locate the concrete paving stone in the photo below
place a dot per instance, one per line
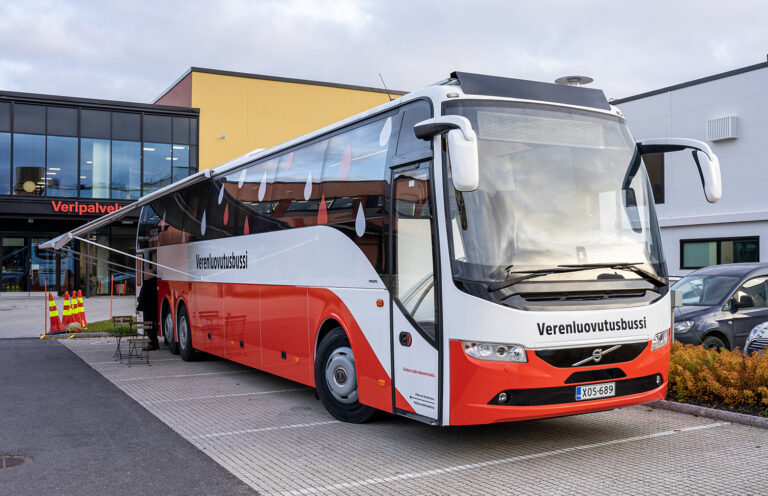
(286, 443)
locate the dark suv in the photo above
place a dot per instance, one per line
(721, 304)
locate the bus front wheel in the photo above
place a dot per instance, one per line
(336, 379)
(185, 336)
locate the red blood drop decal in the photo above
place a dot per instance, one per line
(226, 214)
(346, 162)
(322, 212)
(246, 229)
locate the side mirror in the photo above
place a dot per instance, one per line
(745, 301)
(462, 147)
(705, 159)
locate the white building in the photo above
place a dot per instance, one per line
(730, 112)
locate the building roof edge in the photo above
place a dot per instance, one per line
(693, 82)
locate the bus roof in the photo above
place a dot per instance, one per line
(460, 84)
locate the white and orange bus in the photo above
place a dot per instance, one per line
(482, 250)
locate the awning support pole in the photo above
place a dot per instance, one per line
(199, 278)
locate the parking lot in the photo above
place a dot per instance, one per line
(276, 437)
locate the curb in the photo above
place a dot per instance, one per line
(713, 413)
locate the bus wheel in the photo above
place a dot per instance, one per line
(185, 336)
(336, 379)
(173, 346)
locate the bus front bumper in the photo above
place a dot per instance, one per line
(537, 389)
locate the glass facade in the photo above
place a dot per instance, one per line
(73, 152)
(55, 151)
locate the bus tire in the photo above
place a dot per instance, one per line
(184, 330)
(336, 379)
(173, 346)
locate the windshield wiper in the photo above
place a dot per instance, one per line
(530, 274)
(633, 267)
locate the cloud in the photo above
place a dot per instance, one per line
(134, 50)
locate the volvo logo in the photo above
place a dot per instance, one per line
(597, 355)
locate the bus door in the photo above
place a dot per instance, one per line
(414, 297)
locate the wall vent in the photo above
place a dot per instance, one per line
(721, 129)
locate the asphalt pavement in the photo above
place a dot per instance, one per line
(86, 436)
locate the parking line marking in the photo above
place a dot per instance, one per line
(223, 396)
(489, 463)
(120, 363)
(265, 429)
(181, 375)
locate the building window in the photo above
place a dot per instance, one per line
(29, 176)
(697, 253)
(5, 163)
(654, 164)
(94, 168)
(157, 166)
(61, 173)
(126, 170)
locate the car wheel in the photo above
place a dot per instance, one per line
(173, 346)
(710, 342)
(185, 336)
(336, 379)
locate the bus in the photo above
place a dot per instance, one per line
(484, 249)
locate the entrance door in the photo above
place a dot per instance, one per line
(414, 308)
(15, 265)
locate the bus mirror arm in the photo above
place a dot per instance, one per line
(705, 159)
(462, 147)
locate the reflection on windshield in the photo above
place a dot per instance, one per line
(705, 290)
(552, 192)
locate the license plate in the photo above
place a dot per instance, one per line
(594, 391)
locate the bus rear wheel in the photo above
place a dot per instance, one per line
(336, 379)
(173, 346)
(185, 336)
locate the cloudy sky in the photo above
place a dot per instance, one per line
(133, 50)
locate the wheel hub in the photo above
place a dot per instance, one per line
(340, 375)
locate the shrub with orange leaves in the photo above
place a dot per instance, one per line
(717, 377)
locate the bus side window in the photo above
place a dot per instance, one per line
(297, 187)
(353, 187)
(409, 147)
(254, 191)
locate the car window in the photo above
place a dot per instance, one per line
(705, 290)
(757, 288)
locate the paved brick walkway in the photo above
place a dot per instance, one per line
(276, 437)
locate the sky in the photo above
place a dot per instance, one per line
(133, 50)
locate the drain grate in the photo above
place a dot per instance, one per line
(13, 461)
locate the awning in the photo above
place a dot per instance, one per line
(60, 241)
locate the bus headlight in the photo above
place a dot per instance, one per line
(497, 352)
(659, 339)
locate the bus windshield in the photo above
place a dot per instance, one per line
(558, 186)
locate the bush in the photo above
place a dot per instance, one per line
(714, 377)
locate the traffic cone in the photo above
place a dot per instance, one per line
(67, 312)
(53, 315)
(81, 308)
(74, 309)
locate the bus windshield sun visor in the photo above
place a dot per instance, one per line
(60, 241)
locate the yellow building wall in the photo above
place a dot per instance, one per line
(256, 113)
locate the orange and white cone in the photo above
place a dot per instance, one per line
(53, 316)
(67, 312)
(81, 308)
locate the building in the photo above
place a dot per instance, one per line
(240, 112)
(730, 112)
(65, 161)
